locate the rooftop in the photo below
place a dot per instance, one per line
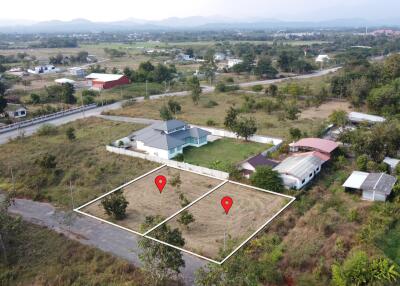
(380, 182)
(168, 126)
(14, 107)
(363, 117)
(64, 80)
(260, 160)
(104, 77)
(323, 145)
(299, 165)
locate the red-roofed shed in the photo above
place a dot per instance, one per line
(314, 144)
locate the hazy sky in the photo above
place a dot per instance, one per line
(106, 10)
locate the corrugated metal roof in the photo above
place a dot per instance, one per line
(104, 76)
(299, 166)
(169, 125)
(260, 160)
(363, 117)
(323, 145)
(355, 180)
(379, 182)
(64, 80)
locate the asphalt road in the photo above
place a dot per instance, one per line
(27, 131)
(92, 232)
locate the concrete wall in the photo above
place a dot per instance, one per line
(202, 170)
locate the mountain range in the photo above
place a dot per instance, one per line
(174, 23)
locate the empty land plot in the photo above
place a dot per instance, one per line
(251, 209)
(145, 199)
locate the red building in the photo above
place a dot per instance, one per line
(106, 81)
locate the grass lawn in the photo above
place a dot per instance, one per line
(39, 256)
(391, 244)
(84, 162)
(222, 153)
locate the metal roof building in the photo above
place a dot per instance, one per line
(318, 144)
(358, 117)
(374, 186)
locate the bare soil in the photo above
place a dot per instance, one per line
(250, 210)
(324, 110)
(145, 199)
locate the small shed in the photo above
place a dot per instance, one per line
(64, 81)
(392, 163)
(249, 166)
(15, 110)
(374, 186)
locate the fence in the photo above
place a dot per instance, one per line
(202, 170)
(229, 134)
(44, 118)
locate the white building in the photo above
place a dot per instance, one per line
(322, 59)
(64, 81)
(77, 71)
(167, 139)
(47, 69)
(232, 62)
(15, 110)
(299, 169)
(357, 117)
(219, 57)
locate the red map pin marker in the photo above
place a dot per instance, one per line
(226, 203)
(160, 182)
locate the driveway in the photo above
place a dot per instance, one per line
(93, 232)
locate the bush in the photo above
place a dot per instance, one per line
(210, 104)
(47, 130)
(90, 92)
(211, 122)
(115, 205)
(179, 158)
(257, 88)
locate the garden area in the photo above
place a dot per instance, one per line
(223, 153)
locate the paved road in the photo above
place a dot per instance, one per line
(93, 232)
(27, 131)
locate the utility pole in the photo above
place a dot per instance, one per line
(146, 97)
(13, 184)
(72, 197)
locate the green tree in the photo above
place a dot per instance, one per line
(266, 178)
(174, 106)
(186, 218)
(265, 69)
(292, 111)
(339, 118)
(3, 103)
(161, 262)
(47, 162)
(115, 205)
(230, 118)
(194, 85)
(68, 91)
(9, 229)
(165, 113)
(272, 90)
(358, 269)
(245, 127)
(295, 133)
(362, 162)
(70, 133)
(35, 98)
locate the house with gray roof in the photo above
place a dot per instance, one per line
(299, 169)
(374, 186)
(168, 138)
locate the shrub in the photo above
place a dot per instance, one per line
(179, 158)
(210, 104)
(47, 130)
(115, 205)
(70, 133)
(257, 88)
(211, 122)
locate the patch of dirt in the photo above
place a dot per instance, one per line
(324, 110)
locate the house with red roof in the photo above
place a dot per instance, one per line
(323, 146)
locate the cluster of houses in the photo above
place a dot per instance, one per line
(305, 161)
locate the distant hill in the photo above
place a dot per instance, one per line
(194, 23)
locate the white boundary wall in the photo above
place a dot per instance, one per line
(180, 165)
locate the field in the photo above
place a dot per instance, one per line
(83, 162)
(42, 257)
(145, 199)
(267, 123)
(226, 150)
(251, 209)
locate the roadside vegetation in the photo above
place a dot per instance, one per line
(47, 165)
